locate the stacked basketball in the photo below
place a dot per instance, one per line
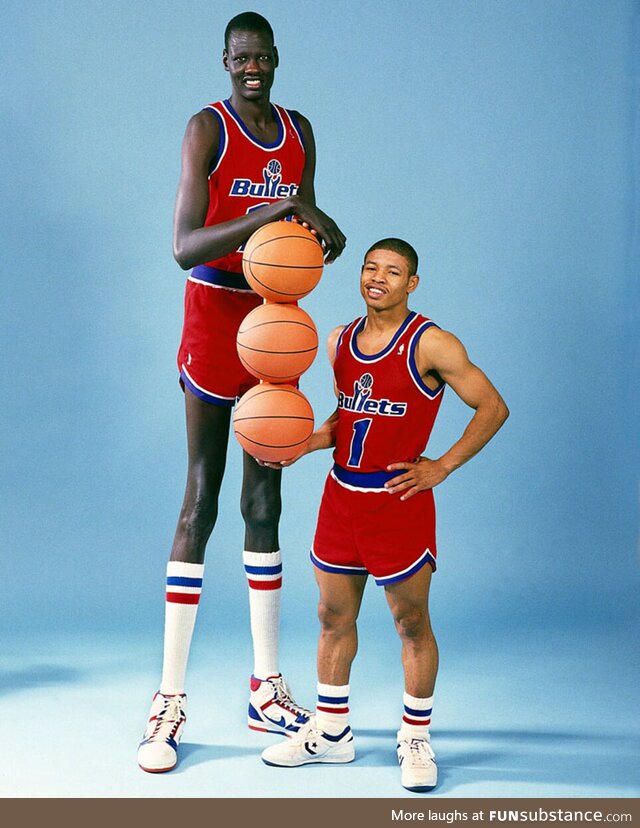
(278, 341)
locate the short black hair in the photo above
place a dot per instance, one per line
(402, 248)
(248, 22)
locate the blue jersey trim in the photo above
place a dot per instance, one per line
(339, 342)
(364, 480)
(296, 125)
(275, 145)
(371, 357)
(339, 570)
(221, 278)
(393, 579)
(413, 368)
(205, 396)
(221, 139)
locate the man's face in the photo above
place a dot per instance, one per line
(251, 60)
(385, 280)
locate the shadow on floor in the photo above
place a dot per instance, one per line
(193, 753)
(36, 676)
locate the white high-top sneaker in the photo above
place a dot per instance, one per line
(158, 750)
(272, 709)
(419, 771)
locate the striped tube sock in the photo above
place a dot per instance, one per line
(416, 718)
(332, 709)
(184, 585)
(264, 577)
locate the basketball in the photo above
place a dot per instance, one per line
(282, 261)
(273, 422)
(277, 342)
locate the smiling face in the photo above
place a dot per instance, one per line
(251, 60)
(386, 280)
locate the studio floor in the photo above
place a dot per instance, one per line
(514, 720)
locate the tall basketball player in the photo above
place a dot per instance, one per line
(245, 162)
(377, 514)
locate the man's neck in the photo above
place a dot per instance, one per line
(381, 321)
(257, 112)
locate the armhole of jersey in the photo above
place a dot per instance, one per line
(296, 126)
(432, 393)
(222, 140)
(339, 342)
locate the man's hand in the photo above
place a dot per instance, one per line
(325, 228)
(421, 475)
(283, 463)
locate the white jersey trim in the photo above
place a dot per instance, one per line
(356, 488)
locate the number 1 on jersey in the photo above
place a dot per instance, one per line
(360, 430)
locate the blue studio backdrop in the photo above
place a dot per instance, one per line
(501, 139)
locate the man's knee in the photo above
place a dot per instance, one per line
(412, 622)
(261, 509)
(336, 619)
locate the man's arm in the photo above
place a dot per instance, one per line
(194, 244)
(325, 436)
(443, 353)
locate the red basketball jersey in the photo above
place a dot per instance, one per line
(385, 410)
(247, 174)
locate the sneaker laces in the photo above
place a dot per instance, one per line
(283, 696)
(306, 733)
(420, 752)
(168, 719)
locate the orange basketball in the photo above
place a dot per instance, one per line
(273, 422)
(282, 261)
(277, 342)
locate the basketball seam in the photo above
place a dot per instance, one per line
(275, 353)
(268, 287)
(284, 267)
(274, 417)
(268, 391)
(303, 239)
(267, 445)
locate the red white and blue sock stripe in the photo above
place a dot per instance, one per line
(263, 570)
(417, 716)
(332, 708)
(264, 577)
(183, 589)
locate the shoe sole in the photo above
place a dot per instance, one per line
(328, 760)
(420, 788)
(157, 770)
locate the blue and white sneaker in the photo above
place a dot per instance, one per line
(272, 709)
(310, 746)
(416, 758)
(158, 750)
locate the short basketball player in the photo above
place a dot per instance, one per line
(245, 162)
(377, 513)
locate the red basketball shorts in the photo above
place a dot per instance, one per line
(363, 532)
(208, 361)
